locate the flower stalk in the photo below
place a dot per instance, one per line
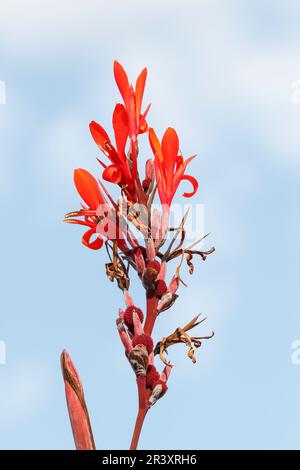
(134, 234)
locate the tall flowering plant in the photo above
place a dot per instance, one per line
(137, 239)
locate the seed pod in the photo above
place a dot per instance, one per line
(158, 392)
(138, 359)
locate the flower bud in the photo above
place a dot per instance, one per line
(150, 169)
(152, 376)
(160, 288)
(145, 340)
(146, 183)
(128, 318)
(78, 412)
(153, 264)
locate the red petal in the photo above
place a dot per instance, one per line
(169, 147)
(194, 182)
(112, 174)
(143, 127)
(88, 188)
(95, 244)
(120, 124)
(155, 144)
(122, 81)
(100, 136)
(139, 92)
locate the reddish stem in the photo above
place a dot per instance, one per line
(152, 302)
(137, 429)
(143, 408)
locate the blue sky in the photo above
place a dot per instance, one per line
(221, 72)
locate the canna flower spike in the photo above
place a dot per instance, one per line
(134, 234)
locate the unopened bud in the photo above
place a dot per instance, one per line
(160, 288)
(78, 412)
(152, 376)
(145, 340)
(150, 169)
(128, 315)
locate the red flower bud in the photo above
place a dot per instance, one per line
(128, 320)
(152, 376)
(145, 340)
(146, 183)
(160, 288)
(78, 412)
(154, 264)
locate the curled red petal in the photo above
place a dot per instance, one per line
(122, 81)
(95, 244)
(194, 182)
(112, 174)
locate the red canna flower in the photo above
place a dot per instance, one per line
(119, 171)
(170, 165)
